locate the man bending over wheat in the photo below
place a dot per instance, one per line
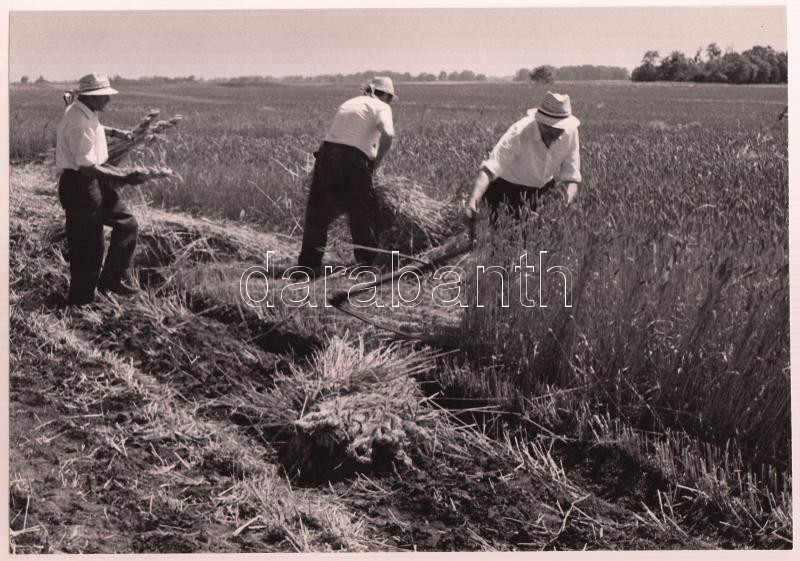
(537, 152)
(356, 143)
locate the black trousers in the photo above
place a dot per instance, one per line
(341, 184)
(501, 192)
(89, 206)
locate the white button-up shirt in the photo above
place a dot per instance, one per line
(80, 139)
(521, 156)
(359, 122)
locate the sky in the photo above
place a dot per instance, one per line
(281, 42)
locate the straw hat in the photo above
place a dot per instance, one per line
(95, 84)
(383, 84)
(555, 110)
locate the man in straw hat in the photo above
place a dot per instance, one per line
(81, 152)
(356, 143)
(534, 154)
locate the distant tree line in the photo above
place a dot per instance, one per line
(119, 80)
(241, 81)
(759, 65)
(39, 80)
(455, 76)
(547, 73)
(154, 80)
(543, 73)
(358, 77)
(591, 72)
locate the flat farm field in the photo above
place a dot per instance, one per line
(652, 412)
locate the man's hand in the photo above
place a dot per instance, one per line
(470, 218)
(471, 209)
(135, 178)
(572, 192)
(120, 133)
(478, 190)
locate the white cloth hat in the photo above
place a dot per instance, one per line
(384, 84)
(555, 110)
(95, 84)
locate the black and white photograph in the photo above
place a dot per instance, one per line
(383, 279)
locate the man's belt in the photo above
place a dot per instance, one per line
(549, 185)
(75, 177)
(336, 147)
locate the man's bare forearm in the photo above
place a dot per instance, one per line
(479, 188)
(383, 149)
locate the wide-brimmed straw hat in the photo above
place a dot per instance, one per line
(555, 110)
(383, 84)
(95, 84)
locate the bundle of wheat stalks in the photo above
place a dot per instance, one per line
(359, 433)
(351, 410)
(146, 132)
(412, 220)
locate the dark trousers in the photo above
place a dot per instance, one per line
(501, 192)
(90, 206)
(341, 184)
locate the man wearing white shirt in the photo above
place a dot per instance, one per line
(81, 155)
(354, 147)
(534, 154)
